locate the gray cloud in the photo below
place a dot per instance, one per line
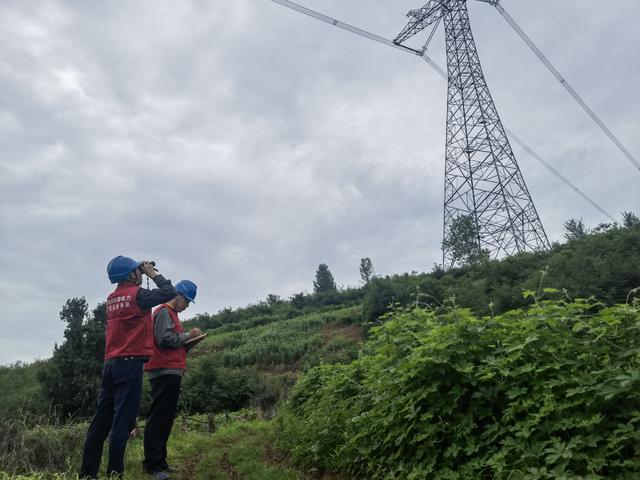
(240, 144)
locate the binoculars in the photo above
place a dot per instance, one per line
(153, 264)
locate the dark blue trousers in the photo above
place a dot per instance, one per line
(116, 413)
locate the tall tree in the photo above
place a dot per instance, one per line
(324, 280)
(366, 270)
(72, 376)
(575, 229)
(463, 241)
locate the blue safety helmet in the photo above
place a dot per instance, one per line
(187, 289)
(120, 267)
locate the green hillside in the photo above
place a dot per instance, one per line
(331, 368)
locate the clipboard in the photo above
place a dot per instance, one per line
(194, 341)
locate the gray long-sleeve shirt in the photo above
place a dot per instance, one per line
(166, 337)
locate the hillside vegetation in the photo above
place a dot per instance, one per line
(544, 393)
(435, 375)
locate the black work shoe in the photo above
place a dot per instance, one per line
(160, 475)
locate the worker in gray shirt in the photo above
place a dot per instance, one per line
(165, 369)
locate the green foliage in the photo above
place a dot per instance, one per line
(21, 391)
(604, 265)
(72, 376)
(282, 342)
(25, 448)
(324, 282)
(338, 350)
(630, 220)
(253, 355)
(546, 393)
(241, 450)
(223, 374)
(210, 388)
(380, 296)
(575, 229)
(463, 241)
(269, 311)
(240, 447)
(366, 270)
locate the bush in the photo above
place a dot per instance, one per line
(209, 388)
(547, 393)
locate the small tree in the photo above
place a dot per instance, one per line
(298, 300)
(273, 299)
(463, 241)
(366, 270)
(605, 227)
(575, 229)
(324, 280)
(630, 219)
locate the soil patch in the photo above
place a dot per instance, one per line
(228, 467)
(190, 466)
(352, 332)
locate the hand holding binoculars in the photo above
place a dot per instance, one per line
(148, 266)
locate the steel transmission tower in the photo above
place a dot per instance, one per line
(482, 178)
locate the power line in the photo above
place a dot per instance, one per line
(390, 7)
(566, 84)
(442, 73)
(535, 155)
(550, 167)
(345, 26)
(613, 88)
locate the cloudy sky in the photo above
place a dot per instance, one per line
(239, 144)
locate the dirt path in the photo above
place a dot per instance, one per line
(228, 467)
(190, 466)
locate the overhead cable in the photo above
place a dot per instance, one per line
(566, 84)
(614, 89)
(443, 74)
(550, 167)
(345, 26)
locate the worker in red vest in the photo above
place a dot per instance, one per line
(128, 335)
(165, 370)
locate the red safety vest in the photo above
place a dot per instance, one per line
(128, 326)
(167, 357)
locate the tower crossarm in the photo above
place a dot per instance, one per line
(421, 19)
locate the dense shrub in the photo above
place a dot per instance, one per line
(547, 393)
(600, 264)
(207, 387)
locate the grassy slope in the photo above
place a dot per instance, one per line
(278, 346)
(242, 449)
